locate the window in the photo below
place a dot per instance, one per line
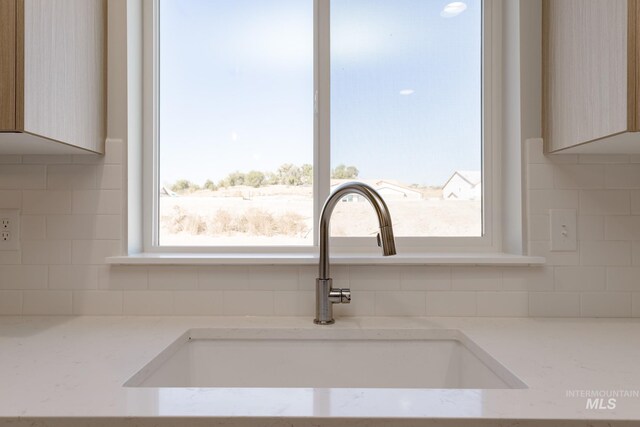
(261, 107)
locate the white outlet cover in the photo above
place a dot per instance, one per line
(564, 231)
(13, 215)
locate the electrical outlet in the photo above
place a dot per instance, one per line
(9, 230)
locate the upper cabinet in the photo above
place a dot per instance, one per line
(52, 76)
(591, 99)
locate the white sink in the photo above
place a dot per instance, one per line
(327, 358)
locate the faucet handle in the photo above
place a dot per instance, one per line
(379, 240)
(340, 296)
(345, 297)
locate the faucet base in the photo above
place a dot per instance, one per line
(324, 322)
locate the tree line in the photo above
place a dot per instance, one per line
(286, 174)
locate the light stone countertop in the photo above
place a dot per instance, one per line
(69, 371)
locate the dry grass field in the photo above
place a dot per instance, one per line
(283, 215)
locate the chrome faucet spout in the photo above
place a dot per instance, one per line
(326, 295)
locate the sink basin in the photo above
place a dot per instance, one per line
(435, 358)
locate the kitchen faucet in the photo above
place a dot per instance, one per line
(326, 295)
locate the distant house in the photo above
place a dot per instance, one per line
(165, 192)
(463, 185)
(388, 190)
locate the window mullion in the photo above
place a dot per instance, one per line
(322, 149)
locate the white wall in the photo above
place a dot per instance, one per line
(72, 218)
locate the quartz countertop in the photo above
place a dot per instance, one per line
(68, 371)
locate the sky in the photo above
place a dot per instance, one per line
(236, 87)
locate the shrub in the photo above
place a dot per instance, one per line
(182, 185)
(210, 185)
(344, 172)
(255, 179)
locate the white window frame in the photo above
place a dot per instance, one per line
(490, 241)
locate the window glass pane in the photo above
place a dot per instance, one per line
(236, 122)
(406, 113)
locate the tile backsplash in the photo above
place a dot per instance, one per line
(72, 218)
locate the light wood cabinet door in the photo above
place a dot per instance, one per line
(590, 76)
(55, 75)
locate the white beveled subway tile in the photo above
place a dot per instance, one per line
(224, 277)
(623, 176)
(17, 277)
(580, 278)
(425, 278)
(10, 257)
(622, 228)
(454, 304)
(363, 303)
(7, 159)
(73, 277)
(603, 158)
(10, 199)
(71, 177)
(543, 249)
(554, 304)
(33, 227)
(503, 304)
(10, 303)
(273, 278)
(248, 303)
(121, 277)
(307, 277)
(83, 227)
(46, 202)
(22, 177)
(536, 278)
(590, 227)
(476, 278)
(540, 176)
(87, 159)
(97, 202)
(198, 303)
(94, 251)
(148, 303)
(114, 151)
(46, 159)
(605, 202)
(605, 253)
(45, 302)
(636, 304)
(285, 303)
(539, 227)
(46, 252)
(635, 202)
(374, 278)
(605, 304)
(109, 177)
(295, 303)
(635, 252)
(540, 201)
(97, 303)
(172, 277)
(578, 176)
(404, 303)
(534, 151)
(623, 279)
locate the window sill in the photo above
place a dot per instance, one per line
(312, 259)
